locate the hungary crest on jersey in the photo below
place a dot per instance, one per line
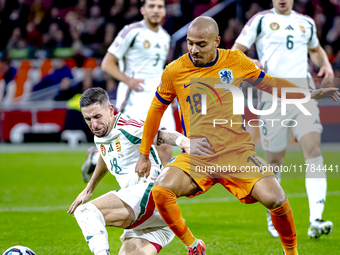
(119, 148)
(102, 149)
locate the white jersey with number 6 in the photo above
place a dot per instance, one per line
(282, 43)
(120, 151)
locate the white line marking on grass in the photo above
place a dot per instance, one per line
(181, 201)
(232, 199)
(35, 208)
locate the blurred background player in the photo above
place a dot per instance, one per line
(283, 39)
(136, 58)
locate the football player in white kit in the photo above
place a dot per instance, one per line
(132, 207)
(136, 58)
(283, 39)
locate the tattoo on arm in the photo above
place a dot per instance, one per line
(167, 137)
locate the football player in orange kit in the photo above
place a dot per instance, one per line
(188, 78)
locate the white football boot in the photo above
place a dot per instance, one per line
(319, 227)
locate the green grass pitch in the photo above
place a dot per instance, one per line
(37, 188)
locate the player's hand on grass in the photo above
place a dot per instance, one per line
(134, 84)
(143, 166)
(326, 92)
(198, 146)
(82, 198)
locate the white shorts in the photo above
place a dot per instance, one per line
(149, 224)
(160, 235)
(275, 131)
(136, 105)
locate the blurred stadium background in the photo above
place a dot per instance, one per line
(51, 51)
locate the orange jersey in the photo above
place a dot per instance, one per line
(202, 102)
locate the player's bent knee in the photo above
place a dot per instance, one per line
(129, 219)
(275, 202)
(165, 180)
(162, 195)
(176, 180)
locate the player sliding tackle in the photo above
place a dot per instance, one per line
(131, 207)
(200, 69)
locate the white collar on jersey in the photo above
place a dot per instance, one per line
(281, 15)
(145, 26)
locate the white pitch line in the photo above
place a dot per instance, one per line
(181, 201)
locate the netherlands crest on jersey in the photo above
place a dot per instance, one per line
(226, 76)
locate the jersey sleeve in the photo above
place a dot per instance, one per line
(248, 69)
(250, 31)
(151, 125)
(131, 128)
(314, 41)
(123, 41)
(164, 95)
(165, 91)
(263, 81)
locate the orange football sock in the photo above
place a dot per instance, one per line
(283, 221)
(166, 203)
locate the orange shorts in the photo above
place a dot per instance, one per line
(237, 171)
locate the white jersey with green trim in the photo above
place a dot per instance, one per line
(282, 43)
(120, 151)
(142, 54)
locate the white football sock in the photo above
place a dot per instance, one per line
(95, 158)
(278, 175)
(316, 186)
(92, 223)
(194, 244)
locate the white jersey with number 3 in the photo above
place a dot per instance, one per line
(282, 43)
(120, 151)
(143, 53)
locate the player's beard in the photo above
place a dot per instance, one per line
(155, 21)
(154, 24)
(102, 134)
(197, 64)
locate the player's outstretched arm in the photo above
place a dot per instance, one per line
(325, 92)
(110, 66)
(99, 172)
(319, 58)
(150, 130)
(199, 146)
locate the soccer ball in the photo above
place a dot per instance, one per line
(19, 250)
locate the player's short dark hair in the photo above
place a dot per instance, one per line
(142, 2)
(94, 96)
